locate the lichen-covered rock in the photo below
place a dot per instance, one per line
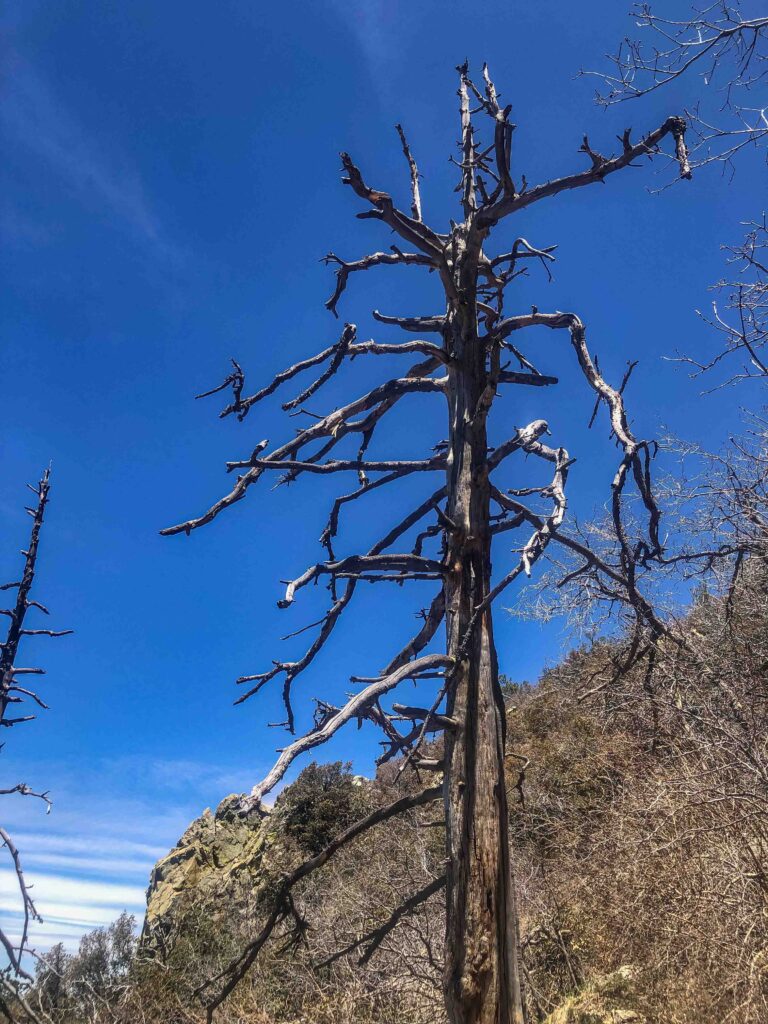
(612, 999)
(217, 854)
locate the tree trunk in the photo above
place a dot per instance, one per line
(481, 981)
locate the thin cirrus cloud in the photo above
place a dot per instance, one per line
(41, 129)
(69, 906)
(81, 879)
(91, 858)
(371, 25)
(45, 845)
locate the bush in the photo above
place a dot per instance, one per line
(323, 801)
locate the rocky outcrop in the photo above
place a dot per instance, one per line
(217, 855)
(226, 865)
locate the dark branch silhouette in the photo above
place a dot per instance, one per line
(14, 979)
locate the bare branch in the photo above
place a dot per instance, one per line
(335, 424)
(648, 145)
(242, 407)
(340, 350)
(28, 910)
(414, 171)
(413, 231)
(376, 259)
(683, 45)
(403, 348)
(355, 565)
(412, 323)
(467, 185)
(545, 530)
(374, 938)
(354, 708)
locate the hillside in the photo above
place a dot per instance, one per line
(641, 838)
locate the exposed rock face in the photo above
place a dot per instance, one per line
(215, 856)
(608, 1000)
(227, 864)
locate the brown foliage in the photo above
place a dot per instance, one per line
(644, 836)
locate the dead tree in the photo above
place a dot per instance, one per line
(14, 692)
(742, 322)
(473, 355)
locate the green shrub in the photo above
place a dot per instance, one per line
(323, 801)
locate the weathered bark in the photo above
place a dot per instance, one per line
(481, 972)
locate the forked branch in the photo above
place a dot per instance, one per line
(355, 708)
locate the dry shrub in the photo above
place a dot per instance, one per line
(644, 835)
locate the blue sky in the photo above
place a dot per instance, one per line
(169, 184)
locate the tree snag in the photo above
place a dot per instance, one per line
(14, 691)
(466, 361)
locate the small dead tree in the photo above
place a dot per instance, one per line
(743, 323)
(14, 691)
(473, 356)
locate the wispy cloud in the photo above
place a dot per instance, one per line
(104, 845)
(38, 124)
(81, 863)
(80, 881)
(69, 907)
(374, 25)
(71, 897)
(91, 858)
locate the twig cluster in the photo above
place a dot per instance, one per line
(726, 47)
